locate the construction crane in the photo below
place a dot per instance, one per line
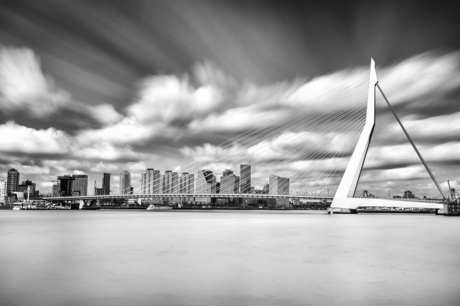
(453, 196)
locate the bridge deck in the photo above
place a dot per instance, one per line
(187, 195)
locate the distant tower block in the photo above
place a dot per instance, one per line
(245, 178)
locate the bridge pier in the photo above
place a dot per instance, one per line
(93, 205)
(340, 210)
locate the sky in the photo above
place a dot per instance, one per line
(105, 86)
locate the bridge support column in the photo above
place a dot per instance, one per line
(339, 210)
(81, 204)
(92, 205)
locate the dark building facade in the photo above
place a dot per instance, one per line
(106, 184)
(12, 182)
(65, 185)
(98, 191)
(408, 195)
(29, 189)
(80, 185)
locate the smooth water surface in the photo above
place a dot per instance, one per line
(227, 258)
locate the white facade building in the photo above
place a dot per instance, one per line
(2, 192)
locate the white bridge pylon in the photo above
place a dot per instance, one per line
(343, 199)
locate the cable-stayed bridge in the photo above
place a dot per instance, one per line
(300, 147)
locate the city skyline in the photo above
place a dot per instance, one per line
(77, 99)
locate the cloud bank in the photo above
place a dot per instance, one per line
(180, 120)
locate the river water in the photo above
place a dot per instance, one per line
(112, 257)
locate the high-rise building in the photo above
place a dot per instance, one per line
(106, 184)
(143, 183)
(205, 183)
(266, 188)
(150, 181)
(175, 182)
(12, 181)
(156, 181)
(245, 182)
(65, 185)
(191, 183)
(161, 184)
(227, 172)
(183, 181)
(56, 190)
(187, 184)
(229, 182)
(3, 192)
(167, 182)
(279, 186)
(171, 182)
(125, 182)
(80, 184)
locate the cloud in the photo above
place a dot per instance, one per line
(136, 166)
(437, 128)
(105, 167)
(236, 119)
(105, 114)
(342, 88)
(23, 85)
(384, 157)
(30, 169)
(168, 99)
(415, 83)
(413, 172)
(18, 138)
(109, 152)
(64, 166)
(24, 140)
(287, 147)
(78, 172)
(126, 131)
(304, 127)
(425, 75)
(216, 102)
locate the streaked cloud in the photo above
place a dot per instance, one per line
(105, 114)
(24, 86)
(175, 113)
(18, 138)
